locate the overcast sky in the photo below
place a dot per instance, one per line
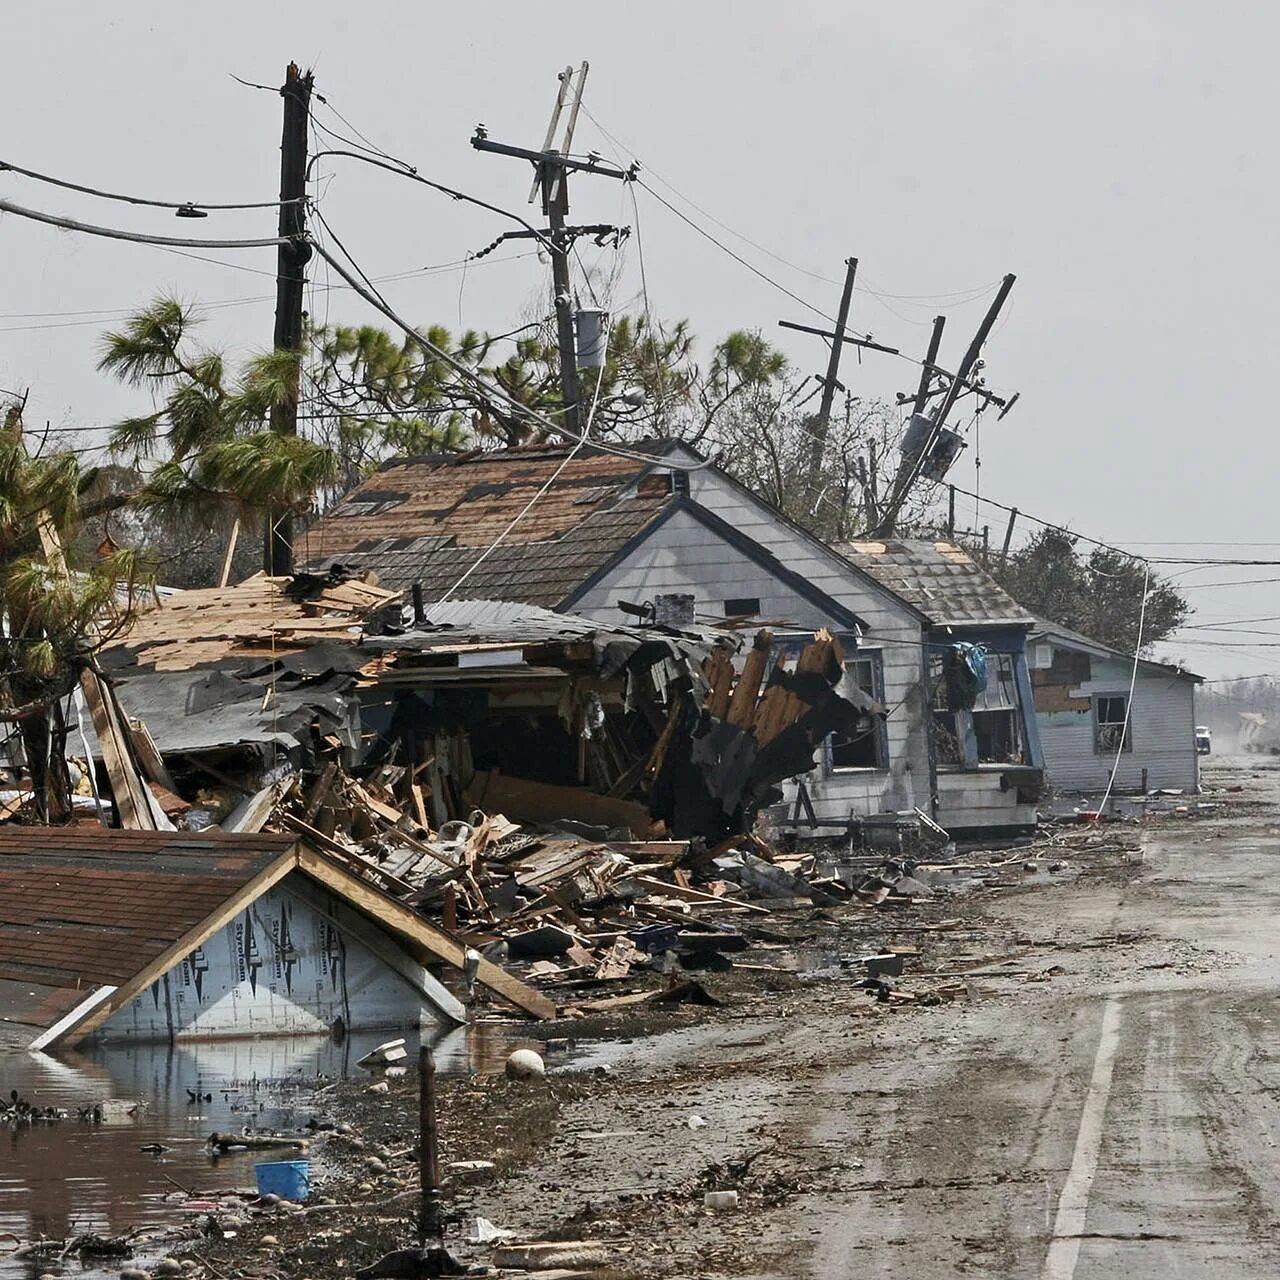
(1118, 157)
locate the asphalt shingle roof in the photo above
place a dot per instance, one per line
(939, 579)
(82, 907)
(428, 520)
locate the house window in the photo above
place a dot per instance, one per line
(868, 748)
(1110, 732)
(995, 714)
(994, 720)
(744, 607)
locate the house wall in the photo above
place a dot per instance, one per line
(1161, 728)
(683, 555)
(285, 965)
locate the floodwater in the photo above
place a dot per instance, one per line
(72, 1176)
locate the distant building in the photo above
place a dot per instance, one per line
(1082, 703)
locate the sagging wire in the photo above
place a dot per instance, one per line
(547, 484)
(1133, 680)
(379, 303)
(7, 166)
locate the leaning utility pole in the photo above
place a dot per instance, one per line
(822, 423)
(552, 166)
(959, 383)
(291, 260)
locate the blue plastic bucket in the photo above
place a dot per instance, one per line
(288, 1179)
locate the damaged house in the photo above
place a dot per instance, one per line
(495, 707)
(159, 936)
(665, 537)
(1087, 716)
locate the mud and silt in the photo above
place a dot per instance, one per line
(920, 1138)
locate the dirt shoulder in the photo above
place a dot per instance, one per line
(652, 1111)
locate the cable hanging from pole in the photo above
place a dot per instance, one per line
(380, 304)
(8, 167)
(136, 237)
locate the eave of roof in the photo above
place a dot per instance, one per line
(1068, 638)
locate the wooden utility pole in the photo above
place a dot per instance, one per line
(958, 384)
(823, 423)
(839, 339)
(291, 261)
(552, 166)
(554, 182)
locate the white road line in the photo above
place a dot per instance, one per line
(1073, 1203)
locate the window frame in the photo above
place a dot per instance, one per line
(1125, 723)
(874, 658)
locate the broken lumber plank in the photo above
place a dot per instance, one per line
(719, 672)
(427, 936)
(742, 705)
(694, 895)
(548, 802)
(346, 855)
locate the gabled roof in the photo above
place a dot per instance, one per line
(90, 917)
(428, 519)
(939, 579)
(1066, 638)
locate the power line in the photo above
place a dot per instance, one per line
(923, 299)
(414, 176)
(6, 165)
(375, 300)
(113, 233)
(119, 313)
(737, 257)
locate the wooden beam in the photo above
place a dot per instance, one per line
(136, 807)
(742, 704)
(432, 939)
(249, 892)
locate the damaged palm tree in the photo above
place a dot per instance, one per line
(54, 619)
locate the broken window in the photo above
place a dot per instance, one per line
(995, 714)
(990, 732)
(1110, 731)
(868, 748)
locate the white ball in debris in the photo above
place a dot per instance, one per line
(524, 1064)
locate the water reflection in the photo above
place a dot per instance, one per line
(70, 1176)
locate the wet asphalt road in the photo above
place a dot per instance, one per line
(1119, 1120)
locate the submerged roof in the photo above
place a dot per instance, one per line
(939, 579)
(90, 917)
(84, 907)
(428, 519)
(1066, 638)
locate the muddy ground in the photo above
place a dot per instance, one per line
(1084, 1086)
(930, 1138)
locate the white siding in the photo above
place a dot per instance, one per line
(972, 798)
(683, 555)
(1161, 731)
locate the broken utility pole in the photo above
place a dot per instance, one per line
(552, 166)
(959, 384)
(822, 423)
(291, 260)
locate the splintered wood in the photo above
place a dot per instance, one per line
(259, 615)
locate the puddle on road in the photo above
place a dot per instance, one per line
(70, 1176)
